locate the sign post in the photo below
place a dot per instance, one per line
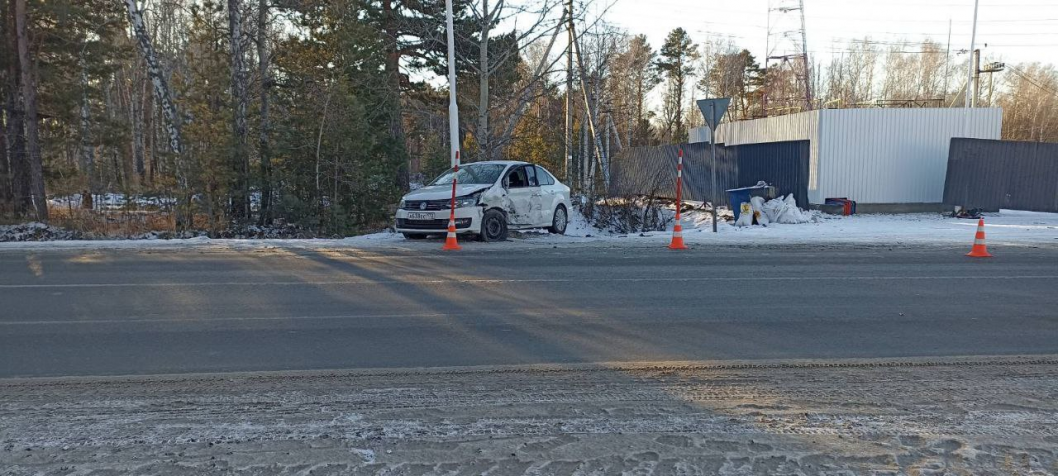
(714, 110)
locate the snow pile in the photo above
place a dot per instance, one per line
(275, 231)
(36, 231)
(579, 226)
(159, 235)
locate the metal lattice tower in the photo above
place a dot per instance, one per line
(788, 88)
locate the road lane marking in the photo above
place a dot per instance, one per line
(586, 315)
(366, 282)
(135, 320)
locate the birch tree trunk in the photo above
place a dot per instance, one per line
(483, 135)
(172, 119)
(240, 197)
(29, 97)
(589, 112)
(136, 101)
(264, 145)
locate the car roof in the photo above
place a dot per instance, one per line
(499, 162)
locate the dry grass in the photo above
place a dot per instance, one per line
(118, 223)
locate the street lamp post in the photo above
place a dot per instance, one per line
(453, 110)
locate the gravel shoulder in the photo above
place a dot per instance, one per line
(979, 415)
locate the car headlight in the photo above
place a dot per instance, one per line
(468, 201)
(401, 204)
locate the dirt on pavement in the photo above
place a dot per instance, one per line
(943, 416)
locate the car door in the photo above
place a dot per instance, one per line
(550, 192)
(536, 199)
(520, 197)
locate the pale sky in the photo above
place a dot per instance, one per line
(1014, 30)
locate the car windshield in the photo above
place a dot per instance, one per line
(472, 174)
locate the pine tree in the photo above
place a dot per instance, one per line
(676, 63)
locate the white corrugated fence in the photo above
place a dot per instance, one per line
(872, 155)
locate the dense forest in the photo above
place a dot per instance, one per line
(321, 113)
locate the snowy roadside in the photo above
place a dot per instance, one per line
(987, 415)
(1006, 228)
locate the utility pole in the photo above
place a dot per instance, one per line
(972, 68)
(453, 109)
(947, 61)
(569, 90)
(991, 87)
(991, 69)
(970, 74)
(977, 77)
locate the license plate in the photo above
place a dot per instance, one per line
(420, 216)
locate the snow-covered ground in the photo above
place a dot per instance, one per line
(911, 416)
(1006, 228)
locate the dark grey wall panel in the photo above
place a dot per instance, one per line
(992, 174)
(782, 164)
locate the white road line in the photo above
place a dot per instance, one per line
(134, 320)
(363, 282)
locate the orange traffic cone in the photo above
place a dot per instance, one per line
(450, 240)
(677, 238)
(979, 250)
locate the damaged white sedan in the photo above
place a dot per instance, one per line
(491, 198)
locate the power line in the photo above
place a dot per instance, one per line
(1030, 80)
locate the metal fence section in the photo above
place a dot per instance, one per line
(782, 164)
(872, 155)
(992, 174)
(652, 170)
(894, 155)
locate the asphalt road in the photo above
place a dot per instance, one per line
(65, 313)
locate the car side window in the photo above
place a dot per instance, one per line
(517, 178)
(530, 172)
(544, 176)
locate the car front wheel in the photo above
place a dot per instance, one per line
(493, 226)
(559, 221)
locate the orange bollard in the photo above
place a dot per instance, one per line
(979, 249)
(677, 229)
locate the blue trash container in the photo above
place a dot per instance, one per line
(736, 196)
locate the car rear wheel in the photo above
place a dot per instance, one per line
(493, 226)
(559, 221)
